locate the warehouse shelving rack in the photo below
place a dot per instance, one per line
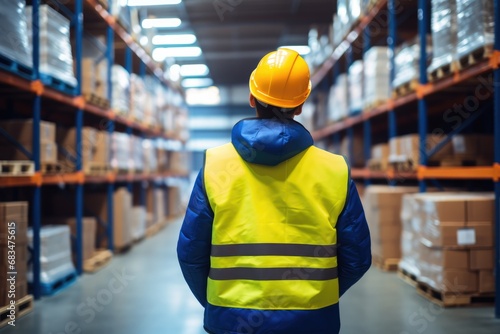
(419, 100)
(33, 87)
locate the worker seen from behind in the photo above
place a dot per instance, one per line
(274, 232)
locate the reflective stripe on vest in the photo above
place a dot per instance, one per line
(274, 237)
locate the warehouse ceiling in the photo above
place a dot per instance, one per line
(235, 34)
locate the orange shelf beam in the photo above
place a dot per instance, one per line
(70, 178)
(471, 173)
(21, 181)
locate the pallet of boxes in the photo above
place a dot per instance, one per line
(14, 161)
(94, 150)
(14, 255)
(447, 244)
(382, 205)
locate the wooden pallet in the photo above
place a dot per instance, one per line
(374, 104)
(17, 168)
(100, 259)
(96, 100)
(404, 166)
(95, 168)
(390, 264)
(453, 299)
(474, 57)
(405, 89)
(407, 277)
(52, 168)
(441, 72)
(123, 249)
(22, 307)
(378, 165)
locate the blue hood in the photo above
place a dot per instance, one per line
(269, 141)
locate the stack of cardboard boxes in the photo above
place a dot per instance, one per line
(94, 78)
(95, 148)
(471, 149)
(22, 131)
(449, 241)
(89, 227)
(15, 215)
(382, 205)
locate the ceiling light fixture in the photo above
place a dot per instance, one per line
(161, 23)
(194, 70)
(137, 3)
(182, 39)
(301, 49)
(159, 54)
(198, 82)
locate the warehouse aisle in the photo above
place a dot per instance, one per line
(144, 292)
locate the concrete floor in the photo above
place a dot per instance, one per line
(144, 292)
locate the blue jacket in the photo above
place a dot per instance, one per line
(269, 142)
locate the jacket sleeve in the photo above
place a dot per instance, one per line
(353, 238)
(193, 247)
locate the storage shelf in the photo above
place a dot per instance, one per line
(459, 77)
(77, 102)
(131, 43)
(38, 179)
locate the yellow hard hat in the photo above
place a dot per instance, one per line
(281, 79)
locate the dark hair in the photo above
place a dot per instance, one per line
(271, 111)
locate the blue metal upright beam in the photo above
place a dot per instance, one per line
(423, 23)
(497, 160)
(142, 69)
(78, 26)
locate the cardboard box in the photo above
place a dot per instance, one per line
(482, 259)
(387, 250)
(445, 258)
(174, 202)
(486, 281)
(481, 209)
(101, 154)
(380, 152)
(48, 152)
(386, 233)
(459, 281)
(122, 203)
(89, 226)
(66, 137)
(21, 290)
(22, 131)
(16, 212)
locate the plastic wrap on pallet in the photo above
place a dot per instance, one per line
(377, 76)
(121, 157)
(56, 57)
(138, 97)
(137, 153)
(14, 38)
(444, 33)
(120, 90)
(356, 83)
(343, 15)
(476, 24)
(55, 253)
(138, 221)
(150, 156)
(406, 65)
(338, 99)
(354, 10)
(410, 242)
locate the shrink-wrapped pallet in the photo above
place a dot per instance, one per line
(377, 76)
(120, 80)
(338, 99)
(476, 24)
(56, 57)
(356, 83)
(14, 37)
(444, 33)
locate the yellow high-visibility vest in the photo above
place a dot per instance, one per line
(274, 238)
